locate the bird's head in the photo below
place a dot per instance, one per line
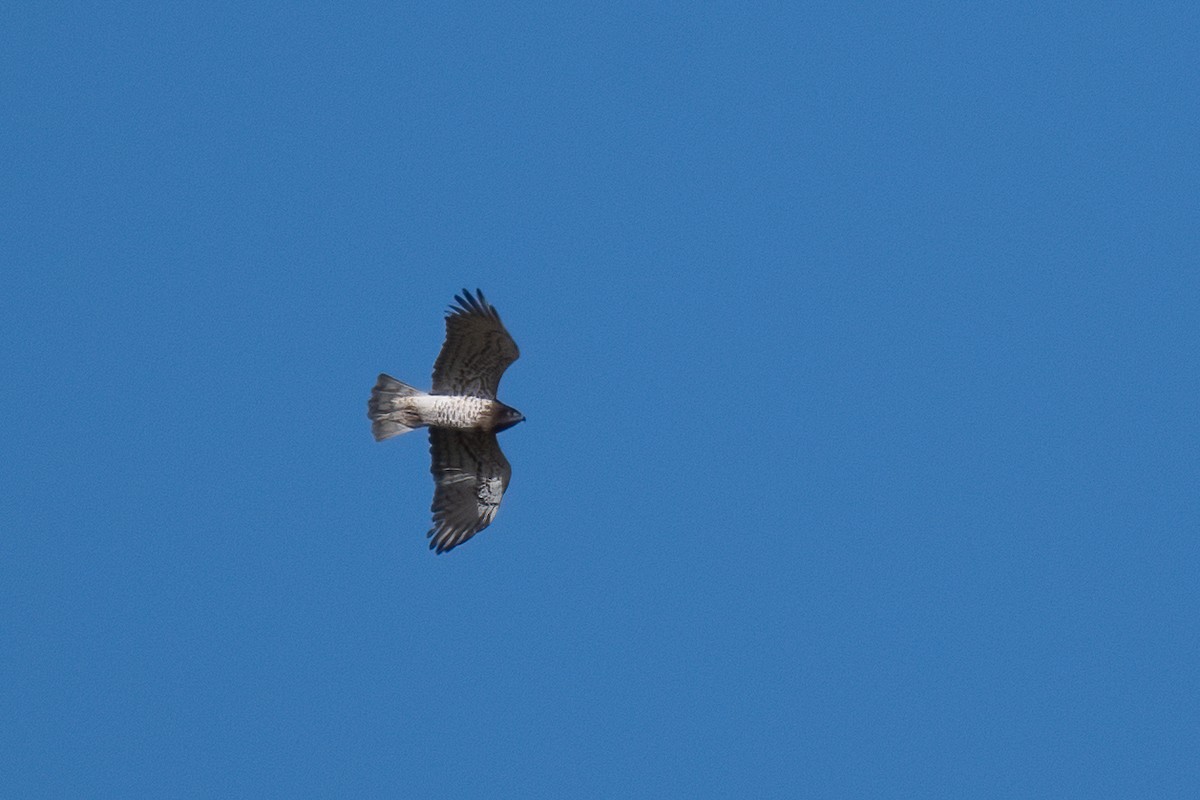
(506, 417)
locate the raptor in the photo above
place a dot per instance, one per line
(470, 473)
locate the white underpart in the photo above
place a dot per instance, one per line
(451, 411)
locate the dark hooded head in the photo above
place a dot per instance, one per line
(506, 417)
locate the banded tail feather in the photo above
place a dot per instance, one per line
(390, 411)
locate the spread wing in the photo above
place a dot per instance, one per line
(470, 475)
(477, 349)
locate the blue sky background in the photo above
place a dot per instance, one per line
(859, 356)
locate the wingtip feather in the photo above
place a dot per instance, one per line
(472, 303)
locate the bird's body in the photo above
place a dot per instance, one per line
(455, 411)
(463, 416)
(458, 411)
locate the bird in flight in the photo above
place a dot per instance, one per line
(463, 415)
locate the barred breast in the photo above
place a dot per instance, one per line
(454, 411)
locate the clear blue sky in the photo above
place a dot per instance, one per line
(859, 357)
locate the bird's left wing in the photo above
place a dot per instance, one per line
(470, 475)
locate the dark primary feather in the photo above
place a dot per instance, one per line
(470, 476)
(477, 349)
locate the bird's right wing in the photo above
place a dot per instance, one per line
(476, 352)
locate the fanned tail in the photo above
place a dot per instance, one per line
(390, 411)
